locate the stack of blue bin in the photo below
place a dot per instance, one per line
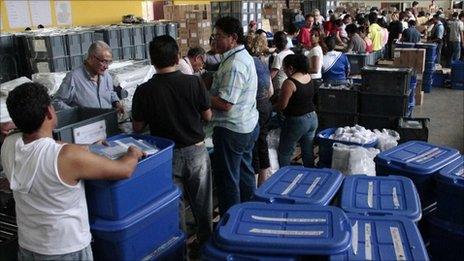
(430, 57)
(138, 218)
(457, 75)
(446, 226)
(421, 162)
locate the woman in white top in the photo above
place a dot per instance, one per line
(278, 75)
(315, 57)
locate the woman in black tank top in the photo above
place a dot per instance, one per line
(296, 100)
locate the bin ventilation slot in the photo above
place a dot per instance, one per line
(292, 185)
(397, 243)
(368, 245)
(287, 232)
(290, 220)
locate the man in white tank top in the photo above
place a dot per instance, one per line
(46, 179)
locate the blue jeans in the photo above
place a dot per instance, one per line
(233, 172)
(192, 172)
(84, 254)
(302, 130)
(455, 48)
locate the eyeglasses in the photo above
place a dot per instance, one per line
(103, 61)
(218, 36)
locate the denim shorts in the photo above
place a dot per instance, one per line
(84, 254)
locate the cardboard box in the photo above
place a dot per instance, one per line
(410, 57)
(194, 42)
(420, 98)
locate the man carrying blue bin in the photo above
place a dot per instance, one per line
(46, 179)
(174, 105)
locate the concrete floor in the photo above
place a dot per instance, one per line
(445, 108)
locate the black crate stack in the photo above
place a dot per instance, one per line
(78, 43)
(383, 96)
(47, 52)
(9, 67)
(337, 107)
(244, 11)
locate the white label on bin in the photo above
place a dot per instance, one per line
(397, 243)
(431, 155)
(290, 220)
(420, 156)
(397, 55)
(292, 185)
(396, 202)
(354, 238)
(287, 232)
(368, 244)
(90, 133)
(313, 185)
(370, 194)
(460, 172)
(39, 45)
(42, 67)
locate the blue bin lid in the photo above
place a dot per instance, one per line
(212, 252)
(390, 195)
(383, 238)
(260, 228)
(417, 157)
(300, 185)
(105, 225)
(453, 173)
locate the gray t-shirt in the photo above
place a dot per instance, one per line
(356, 44)
(455, 29)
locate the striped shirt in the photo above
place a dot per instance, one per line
(236, 82)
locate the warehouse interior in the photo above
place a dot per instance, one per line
(231, 130)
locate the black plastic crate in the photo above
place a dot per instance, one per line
(160, 29)
(140, 52)
(8, 237)
(377, 121)
(86, 40)
(50, 65)
(9, 67)
(128, 53)
(336, 119)
(413, 129)
(110, 35)
(47, 46)
(7, 43)
(73, 43)
(171, 30)
(358, 61)
(70, 120)
(383, 104)
(386, 80)
(75, 61)
(137, 35)
(335, 100)
(148, 32)
(117, 54)
(225, 7)
(126, 36)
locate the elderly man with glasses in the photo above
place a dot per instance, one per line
(89, 85)
(194, 61)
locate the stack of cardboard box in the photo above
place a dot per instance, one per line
(273, 12)
(294, 4)
(413, 58)
(245, 11)
(194, 31)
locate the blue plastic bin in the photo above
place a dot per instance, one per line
(446, 239)
(381, 196)
(152, 178)
(173, 249)
(261, 228)
(135, 236)
(211, 252)
(450, 192)
(325, 145)
(299, 185)
(419, 161)
(383, 238)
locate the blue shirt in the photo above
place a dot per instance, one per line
(411, 35)
(438, 31)
(264, 79)
(335, 66)
(78, 90)
(236, 82)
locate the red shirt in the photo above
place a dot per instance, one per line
(304, 38)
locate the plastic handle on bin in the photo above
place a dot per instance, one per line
(281, 200)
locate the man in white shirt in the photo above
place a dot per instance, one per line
(46, 179)
(193, 62)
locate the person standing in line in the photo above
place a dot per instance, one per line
(193, 62)
(456, 35)
(297, 104)
(235, 117)
(355, 43)
(278, 75)
(437, 35)
(375, 34)
(315, 57)
(174, 106)
(304, 37)
(395, 29)
(411, 35)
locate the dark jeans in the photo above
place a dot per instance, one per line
(260, 150)
(300, 129)
(232, 166)
(455, 48)
(84, 254)
(439, 47)
(192, 172)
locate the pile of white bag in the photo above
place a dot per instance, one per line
(356, 134)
